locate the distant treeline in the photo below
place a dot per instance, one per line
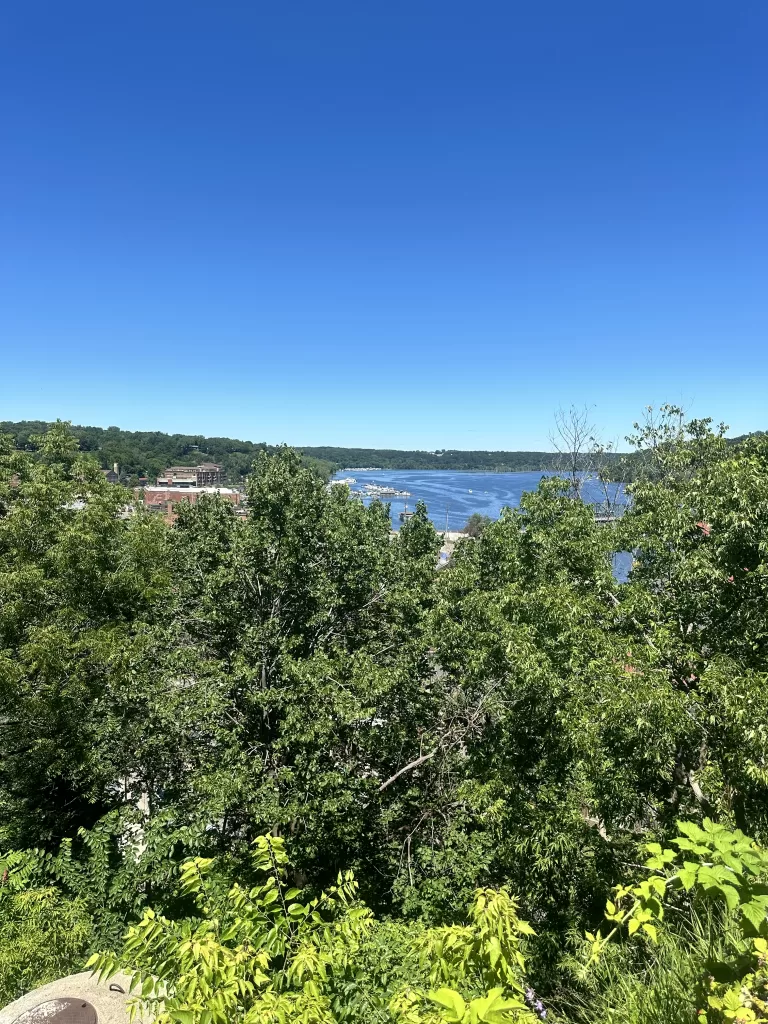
(387, 458)
(140, 453)
(147, 453)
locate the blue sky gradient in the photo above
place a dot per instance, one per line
(414, 225)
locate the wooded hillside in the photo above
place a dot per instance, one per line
(291, 769)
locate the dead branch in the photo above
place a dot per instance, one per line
(407, 768)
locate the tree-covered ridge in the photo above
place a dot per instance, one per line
(517, 728)
(386, 458)
(141, 453)
(148, 453)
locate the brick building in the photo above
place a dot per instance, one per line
(165, 499)
(207, 474)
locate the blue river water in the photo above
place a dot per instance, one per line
(451, 497)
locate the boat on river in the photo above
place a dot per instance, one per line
(377, 491)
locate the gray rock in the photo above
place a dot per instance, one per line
(111, 1006)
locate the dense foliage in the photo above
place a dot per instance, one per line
(146, 453)
(476, 524)
(288, 754)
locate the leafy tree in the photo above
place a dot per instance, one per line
(42, 933)
(78, 583)
(43, 936)
(264, 955)
(514, 729)
(475, 525)
(300, 630)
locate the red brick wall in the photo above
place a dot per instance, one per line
(158, 495)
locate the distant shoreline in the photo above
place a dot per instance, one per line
(149, 453)
(443, 469)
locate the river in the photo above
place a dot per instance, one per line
(451, 497)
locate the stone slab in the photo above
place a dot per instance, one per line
(111, 1006)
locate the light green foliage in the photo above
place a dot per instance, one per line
(43, 936)
(486, 952)
(257, 954)
(728, 873)
(265, 955)
(448, 1006)
(479, 967)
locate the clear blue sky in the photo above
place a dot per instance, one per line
(413, 224)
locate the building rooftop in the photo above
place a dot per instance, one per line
(192, 490)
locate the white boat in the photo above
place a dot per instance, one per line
(384, 491)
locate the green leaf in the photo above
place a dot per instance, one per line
(731, 896)
(687, 878)
(494, 951)
(755, 914)
(650, 930)
(493, 1008)
(450, 1001)
(688, 828)
(732, 1000)
(182, 1016)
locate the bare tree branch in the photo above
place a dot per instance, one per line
(573, 439)
(407, 768)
